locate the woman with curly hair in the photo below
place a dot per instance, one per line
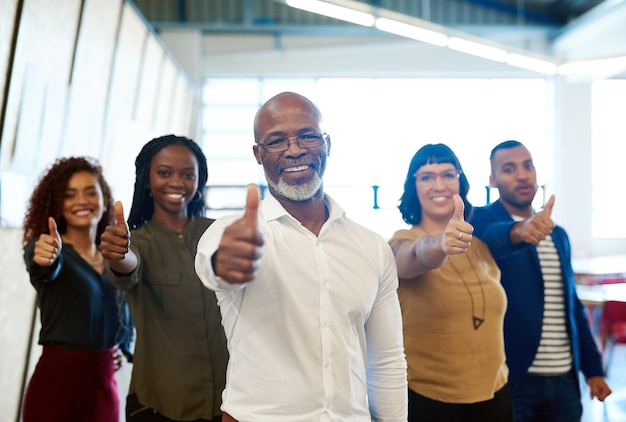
(83, 317)
(179, 370)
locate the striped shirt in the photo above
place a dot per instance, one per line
(554, 355)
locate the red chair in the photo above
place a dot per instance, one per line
(612, 280)
(612, 329)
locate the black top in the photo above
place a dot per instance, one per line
(79, 307)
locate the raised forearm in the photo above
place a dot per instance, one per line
(417, 257)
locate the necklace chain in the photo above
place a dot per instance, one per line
(98, 259)
(477, 321)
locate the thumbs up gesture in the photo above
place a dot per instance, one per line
(536, 228)
(115, 240)
(457, 236)
(48, 246)
(240, 248)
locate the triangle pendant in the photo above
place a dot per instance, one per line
(477, 322)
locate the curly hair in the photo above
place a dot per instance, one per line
(47, 197)
(142, 208)
(410, 206)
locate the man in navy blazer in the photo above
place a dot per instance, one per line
(547, 337)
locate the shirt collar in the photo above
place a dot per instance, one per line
(271, 209)
(157, 225)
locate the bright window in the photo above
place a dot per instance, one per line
(376, 125)
(608, 149)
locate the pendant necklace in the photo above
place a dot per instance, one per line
(476, 320)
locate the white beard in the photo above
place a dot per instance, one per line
(297, 193)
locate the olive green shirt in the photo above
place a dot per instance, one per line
(180, 357)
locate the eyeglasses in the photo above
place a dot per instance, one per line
(449, 178)
(309, 140)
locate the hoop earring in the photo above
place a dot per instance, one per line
(199, 198)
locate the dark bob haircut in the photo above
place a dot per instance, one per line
(409, 206)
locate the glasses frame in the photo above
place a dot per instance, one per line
(297, 139)
(431, 183)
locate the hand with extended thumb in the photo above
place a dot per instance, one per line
(547, 210)
(115, 240)
(457, 236)
(251, 212)
(536, 228)
(48, 246)
(240, 249)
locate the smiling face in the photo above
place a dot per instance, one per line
(83, 202)
(295, 174)
(514, 174)
(173, 180)
(435, 185)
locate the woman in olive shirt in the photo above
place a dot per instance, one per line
(180, 358)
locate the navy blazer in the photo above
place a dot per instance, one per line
(523, 282)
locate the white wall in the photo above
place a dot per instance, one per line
(572, 163)
(17, 297)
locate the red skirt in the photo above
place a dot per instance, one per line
(72, 385)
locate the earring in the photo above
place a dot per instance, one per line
(199, 198)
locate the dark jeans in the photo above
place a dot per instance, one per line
(547, 398)
(137, 412)
(498, 409)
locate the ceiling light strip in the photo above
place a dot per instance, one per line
(477, 49)
(531, 63)
(334, 11)
(412, 31)
(346, 10)
(612, 64)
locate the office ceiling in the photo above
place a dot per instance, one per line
(546, 27)
(275, 16)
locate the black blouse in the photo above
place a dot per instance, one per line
(79, 307)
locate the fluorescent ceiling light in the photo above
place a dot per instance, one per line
(333, 11)
(610, 65)
(412, 31)
(357, 12)
(530, 63)
(477, 49)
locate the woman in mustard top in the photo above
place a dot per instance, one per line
(452, 302)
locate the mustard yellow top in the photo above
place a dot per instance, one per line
(448, 359)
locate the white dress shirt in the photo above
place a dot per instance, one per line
(317, 335)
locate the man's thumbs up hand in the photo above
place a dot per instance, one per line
(241, 247)
(536, 228)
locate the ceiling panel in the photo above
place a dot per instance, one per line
(227, 14)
